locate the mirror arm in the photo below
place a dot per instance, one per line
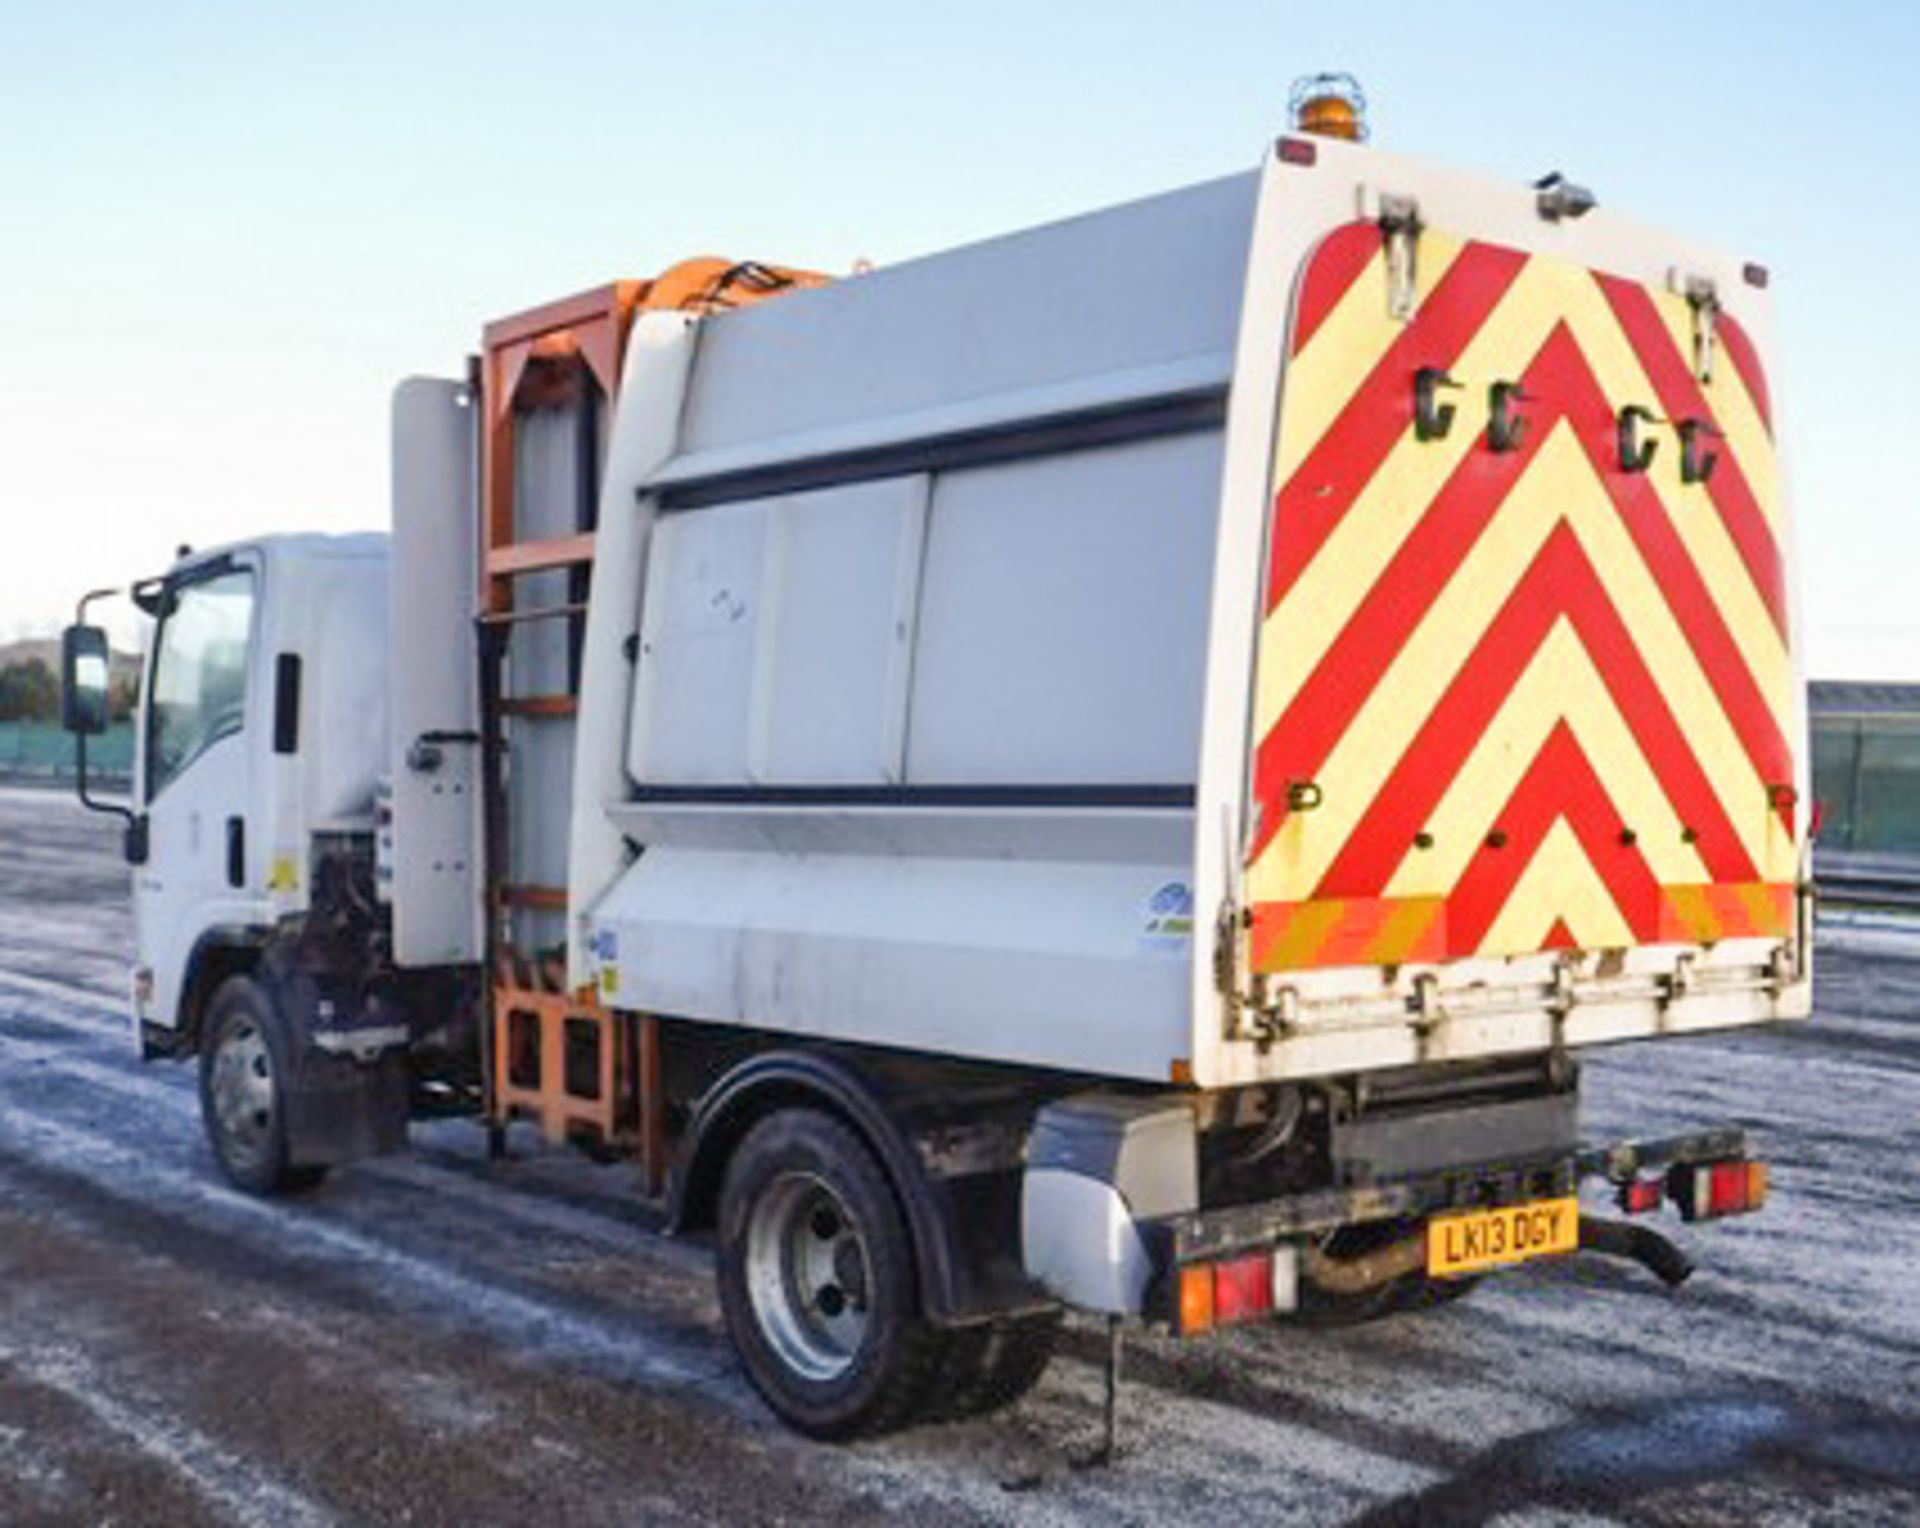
(106, 808)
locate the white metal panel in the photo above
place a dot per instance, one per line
(1063, 618)
(1044, 962)
(1145, 296)
(344, 735)
(697, 647)
(776, 639)
(829, 699)
(434, 677)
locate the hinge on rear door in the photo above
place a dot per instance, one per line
(1227, 964)
(1230, 971)
(1400, 227)
(1704, 301)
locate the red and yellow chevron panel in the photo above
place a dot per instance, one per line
(1542, 696)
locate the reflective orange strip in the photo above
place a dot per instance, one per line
(1737, 910)
(1349, 931)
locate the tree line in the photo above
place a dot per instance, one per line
(30, 692)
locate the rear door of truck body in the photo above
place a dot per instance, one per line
(1503, 739)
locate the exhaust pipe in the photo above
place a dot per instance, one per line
(1356, 1275)
(1648, 1248)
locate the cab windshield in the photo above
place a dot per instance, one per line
(199, 688)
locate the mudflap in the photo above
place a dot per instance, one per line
(349, 1095)
(341, 1110)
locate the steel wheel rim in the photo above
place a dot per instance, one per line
(809, 1276)
(243, 1091)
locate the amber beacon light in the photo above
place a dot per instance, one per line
(1329, 105)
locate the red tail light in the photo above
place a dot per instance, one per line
(1642, 1195)
(1249, 1287)
(1243, 1288)
(1707, 1190)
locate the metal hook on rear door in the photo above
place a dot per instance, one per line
(1696, 461)
(1506, 425)
(1636, 453)
(1431, 418)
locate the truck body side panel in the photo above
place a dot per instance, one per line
(899, 786)
(1100, 311)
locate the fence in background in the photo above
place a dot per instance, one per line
(1866, 777)
(41, 751)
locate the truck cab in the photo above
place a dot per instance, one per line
(261, 734)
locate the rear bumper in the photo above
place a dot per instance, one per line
(1208, 1234)
(1092, 1240)
(1287, 1226)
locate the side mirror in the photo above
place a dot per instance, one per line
(83, 680)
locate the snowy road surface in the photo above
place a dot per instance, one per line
(434, 1340)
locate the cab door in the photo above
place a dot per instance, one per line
(196, 776)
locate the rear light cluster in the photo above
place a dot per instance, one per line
(1244, 1287)
(1712, 1189)
(1700, 1190)
(1642, 1196)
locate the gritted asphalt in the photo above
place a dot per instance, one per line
(438, 1340)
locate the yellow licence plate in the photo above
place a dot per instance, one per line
(1459, 1244)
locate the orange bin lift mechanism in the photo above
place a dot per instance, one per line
(561, 1058)
(590, 329)
(1517, 692)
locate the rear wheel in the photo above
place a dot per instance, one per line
(244, 1066)
(817, 1280)
(994, 1364)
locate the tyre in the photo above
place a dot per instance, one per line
(994, 1364)
(1436, 1293)
(817, 1280)
(245, 1060)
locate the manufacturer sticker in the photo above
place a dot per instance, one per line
(1168, 924)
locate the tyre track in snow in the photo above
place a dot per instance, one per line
(164, 1178)
(1241, 1384)
(489, 1342)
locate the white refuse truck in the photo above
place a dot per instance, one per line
(1117, 768)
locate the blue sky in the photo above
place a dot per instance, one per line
(226, 230)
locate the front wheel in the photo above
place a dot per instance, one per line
(244, 1066)
(817, 1280)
